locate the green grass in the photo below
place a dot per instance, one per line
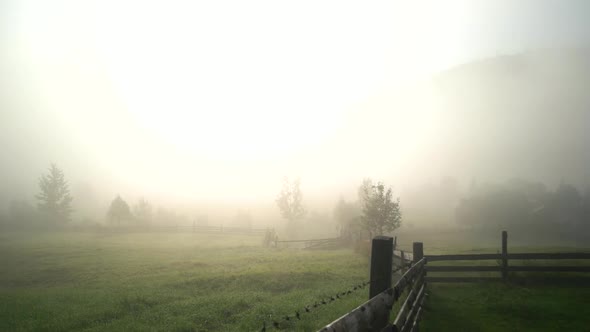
(530, 301)
(213, 282)
(168, 282)
(506, 307)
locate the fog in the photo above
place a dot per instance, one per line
(203, 109)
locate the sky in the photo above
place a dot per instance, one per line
(208, 101)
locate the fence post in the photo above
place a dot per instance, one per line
(418, 249)
(381, 261)
(504, 255)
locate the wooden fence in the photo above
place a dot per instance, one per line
(374, 315)
(402, 259)
(176, 229)
(330, 243)
(503, 267)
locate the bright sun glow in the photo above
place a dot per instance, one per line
(202, 98)
(281, 87)
(250, 79)
(228, 80)
(246, 79)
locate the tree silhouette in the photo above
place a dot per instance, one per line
(55, 199)
(380, 213)
(118, 211)
(143, 212)
(290, 202)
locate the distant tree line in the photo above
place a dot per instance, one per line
(515, 204)
(524, 204)
(54, 210)
(376, 212)
(120, 213)
(54, 207)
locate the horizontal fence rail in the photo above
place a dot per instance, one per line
(466, 257)
(373, 315)
(463, 268)
(509, 268)
(471, 257)
(403, 255)
(363, 317)
(329, 243)
(548, 268)
(401, 260)
(503, 267)
(305, 241)
(462, 279)
(173, 229)
(406, 318)
(559, 255)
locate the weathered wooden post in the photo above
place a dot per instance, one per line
(381, 261)
(504, 254)
(418, 249)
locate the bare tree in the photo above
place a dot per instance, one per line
(290, 203)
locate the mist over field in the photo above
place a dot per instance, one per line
(271, 166)
(202, 132)
(489, 121)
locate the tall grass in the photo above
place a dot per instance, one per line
(169, 282)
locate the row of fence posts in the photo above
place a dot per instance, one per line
(382, 261)
(381, 271)
(374, 314)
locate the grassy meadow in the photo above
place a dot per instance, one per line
(530, 301)
(82, 281)
(497, 306)
(168, 282)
